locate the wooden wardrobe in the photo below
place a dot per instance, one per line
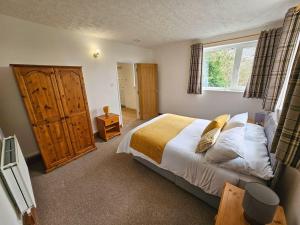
(56, 102)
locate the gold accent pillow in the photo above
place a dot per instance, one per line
(208, 140)
(218, 122)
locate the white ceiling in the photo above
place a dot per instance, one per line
(153, 22)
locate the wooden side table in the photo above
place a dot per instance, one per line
(231, 211)
(108, 126)
(251, 121)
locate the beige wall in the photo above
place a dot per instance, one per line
(29, 43)
(289, 192)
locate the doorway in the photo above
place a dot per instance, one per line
(128, 92)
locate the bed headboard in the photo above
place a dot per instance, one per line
(270, 126)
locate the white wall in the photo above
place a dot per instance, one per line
(30, 43)
(173, 68)
(128, 92)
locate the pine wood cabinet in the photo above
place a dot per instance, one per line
(108, 126)
(231, 211)
(55, 99)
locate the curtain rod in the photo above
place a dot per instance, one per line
(297, 9)
(231, 39)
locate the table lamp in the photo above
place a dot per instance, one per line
(259, 203)
(106, 110)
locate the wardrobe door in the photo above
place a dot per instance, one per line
(39, 90)
(72, 91)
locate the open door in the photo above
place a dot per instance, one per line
(147, 90)
(128, 92)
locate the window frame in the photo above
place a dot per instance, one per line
(236, 65)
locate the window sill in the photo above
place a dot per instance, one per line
(223, 90)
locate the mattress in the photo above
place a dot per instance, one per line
(180, 159)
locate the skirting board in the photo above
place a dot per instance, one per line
(211, 200)
(33, 159)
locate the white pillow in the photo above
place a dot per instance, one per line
(255, 133)
(229, 145)
(239, 120)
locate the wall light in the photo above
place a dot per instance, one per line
(96, 54)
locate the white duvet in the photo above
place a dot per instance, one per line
(180, 158)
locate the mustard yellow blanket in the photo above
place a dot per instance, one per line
(152, 139)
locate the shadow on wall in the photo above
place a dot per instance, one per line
(289, 191)
(13, 116)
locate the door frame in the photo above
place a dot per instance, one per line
(133, 66)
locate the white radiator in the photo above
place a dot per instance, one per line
(15, 175)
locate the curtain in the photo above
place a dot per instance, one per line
(263, 63)
(280, 101)
(195, 79)
(286, 142)
(290, 30)
(278, 171)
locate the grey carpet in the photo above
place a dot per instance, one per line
(103, 187)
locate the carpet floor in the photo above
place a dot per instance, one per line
(103, 187)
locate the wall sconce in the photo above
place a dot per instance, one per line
(96, 54)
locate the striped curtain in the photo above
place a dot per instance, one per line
(263, 63)
(195, 80)
(290, 31)
(286, 142)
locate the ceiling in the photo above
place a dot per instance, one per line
(149, 22)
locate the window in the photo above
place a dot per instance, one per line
(281, 97)
(228, 67)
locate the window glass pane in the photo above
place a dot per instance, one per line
(246, 65)
(219, 66)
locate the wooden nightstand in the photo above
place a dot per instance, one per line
(231, 210)
(251, 121)
(108, 126)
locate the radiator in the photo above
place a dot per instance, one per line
(15, 175)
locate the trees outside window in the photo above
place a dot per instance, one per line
(228, 67)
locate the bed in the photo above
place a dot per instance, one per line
(192, 172)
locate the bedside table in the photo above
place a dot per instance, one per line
(108, 126)
(250, 121)
(231, 211)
